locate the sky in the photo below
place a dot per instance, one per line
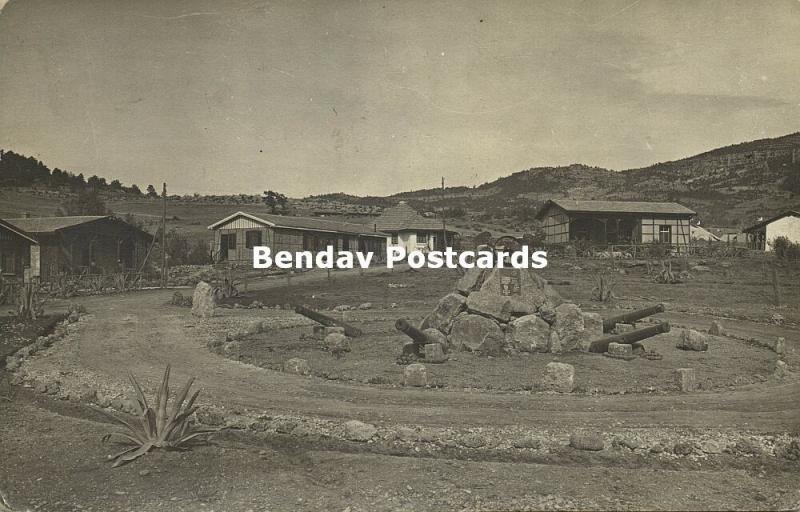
(379, 97)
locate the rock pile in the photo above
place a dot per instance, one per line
(508, 310)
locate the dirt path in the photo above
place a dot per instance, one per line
(137, 333)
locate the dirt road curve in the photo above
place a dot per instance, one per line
(137, 333)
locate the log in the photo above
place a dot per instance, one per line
(631, 316)
(629, 338)
(349, 330)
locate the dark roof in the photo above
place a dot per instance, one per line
(305, 224)
(52, 224)
(573, 206)
(17, 231)
(790, 213)
(403, 217)
(49, 225)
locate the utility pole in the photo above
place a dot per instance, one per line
(164, 238)
(444, 224)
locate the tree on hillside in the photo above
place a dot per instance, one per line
(96, 182)
(85, 203)
(275, 200)
(151, 191)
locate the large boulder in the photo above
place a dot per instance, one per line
(203, 300)
(509, 291)
(559, 377)
(434, 353)
(442, 316)
(693, 340)
(477, 334)
(470, 281)
(569, 327)
(529, 333)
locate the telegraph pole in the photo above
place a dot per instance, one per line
(444, 224)
(164, 238)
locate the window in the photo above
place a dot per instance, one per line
(345, 243)
(394, 239)
(665, 234)
(252, 238)
(422, 238)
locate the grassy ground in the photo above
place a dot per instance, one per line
(411, 295)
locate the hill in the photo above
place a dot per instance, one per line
(730, 186)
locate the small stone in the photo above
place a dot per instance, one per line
(210, 416)
(621, 328)
(657, 448)
(777, 319)
(284, 426)
(434, 353)
(254, 328)
(473, 440)
(685, 379)
(780, 345)
(711, 447)
(620, 349)
(416, 375)
(559, 377)
(319, 332)
(527, 442)
(337, 343)
(586, 441)
(683, 449)
(693, 340)
(355, 430)
(41, 387)
(365, 305)
(780, 369)
(73, 317)
(12, 363)
(297, 366)
(144, 472)
(716, 329)
(548, 314)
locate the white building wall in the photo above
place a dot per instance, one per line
(787, 226)
(409, 241)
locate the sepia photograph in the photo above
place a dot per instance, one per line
(409, 255)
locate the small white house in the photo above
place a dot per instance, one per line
(406, 228)
(761, 236)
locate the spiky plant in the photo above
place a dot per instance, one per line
(158, 428)
(5, 506)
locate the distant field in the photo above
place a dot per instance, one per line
(194, 218)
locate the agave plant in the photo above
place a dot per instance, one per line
(158, 428)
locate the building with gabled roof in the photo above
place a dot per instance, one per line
(409, 229)
(236, 235)
(94, 244)
(18, 251)
(615, 222)
(761, 236)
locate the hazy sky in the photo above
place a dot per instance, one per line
(380, 97)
